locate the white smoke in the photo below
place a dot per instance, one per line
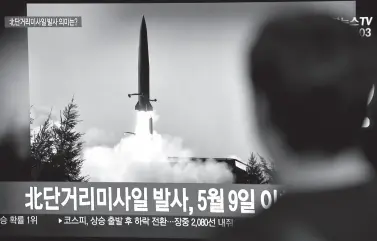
(145, 158)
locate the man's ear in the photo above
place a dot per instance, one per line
(367, 121)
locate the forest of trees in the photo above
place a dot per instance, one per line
(56, 154)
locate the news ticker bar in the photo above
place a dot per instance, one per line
(40, 22)
(112, 226)
(153, 199)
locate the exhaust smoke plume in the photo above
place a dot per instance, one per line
(145, 158)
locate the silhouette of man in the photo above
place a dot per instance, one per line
(311, 76)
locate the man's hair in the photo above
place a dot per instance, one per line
(315, 73)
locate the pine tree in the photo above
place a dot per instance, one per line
(260, 171)
(255, 171)
(41, 149)
(57, 148)
(269, 170)
(41, 142)
(68, 146)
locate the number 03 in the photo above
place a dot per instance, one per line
(365, 32)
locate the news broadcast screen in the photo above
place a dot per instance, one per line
(138, 119)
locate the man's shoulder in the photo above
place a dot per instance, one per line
(318, 215)
(330, 214)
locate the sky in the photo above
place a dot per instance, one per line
(196, 53)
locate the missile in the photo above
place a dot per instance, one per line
(143, 103)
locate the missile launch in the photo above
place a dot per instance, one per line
(143, 103)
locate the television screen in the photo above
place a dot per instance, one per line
(139, 102)
(174, 70)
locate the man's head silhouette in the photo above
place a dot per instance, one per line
(312, 75)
